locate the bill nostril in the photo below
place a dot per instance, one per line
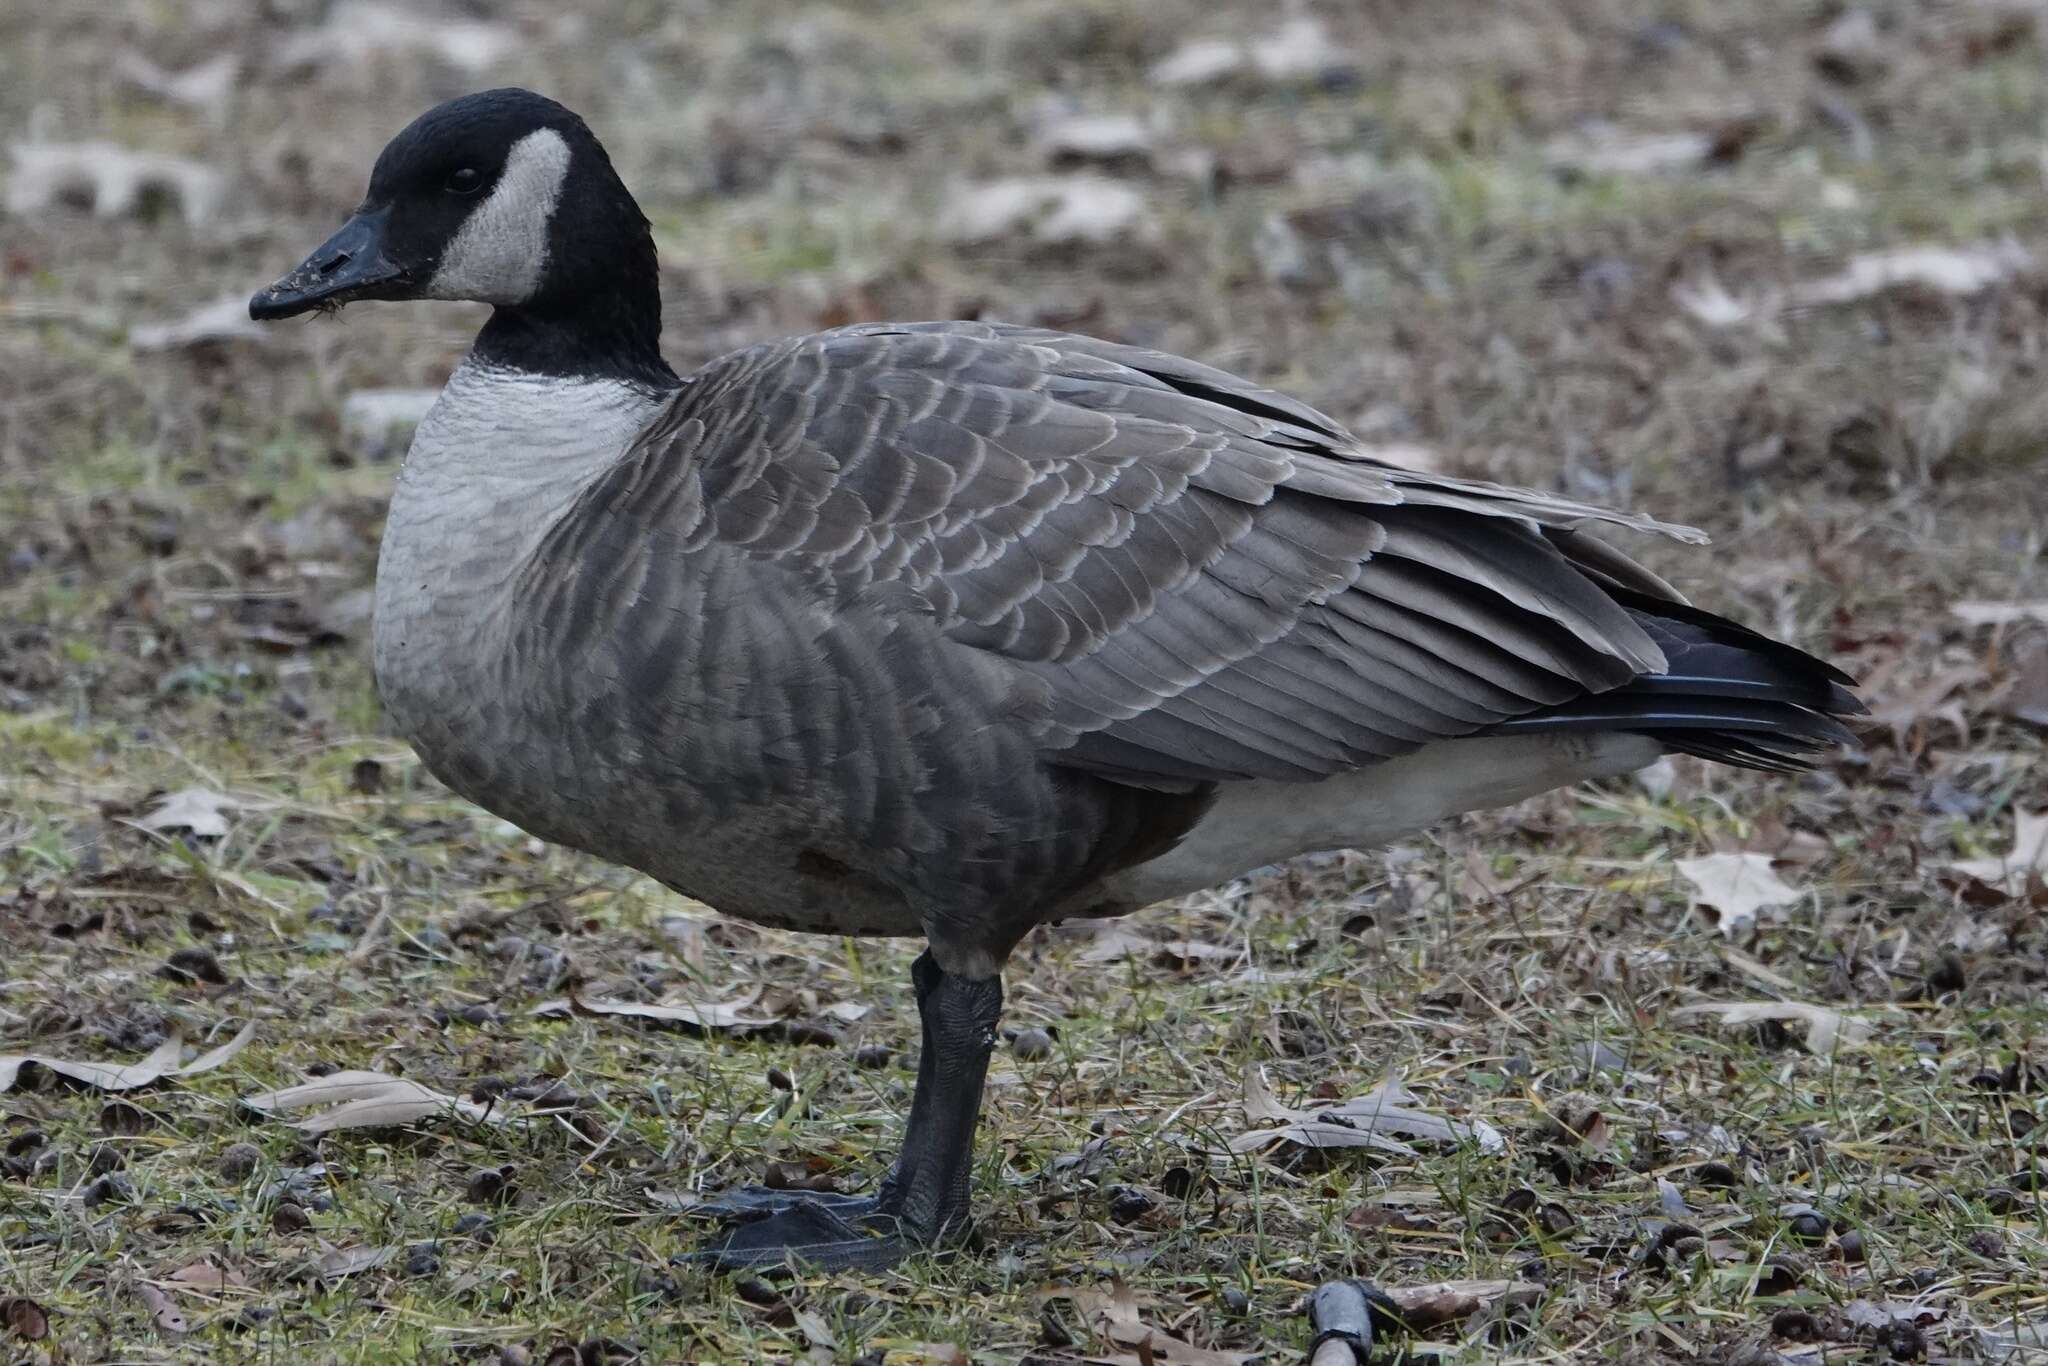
(335, 262)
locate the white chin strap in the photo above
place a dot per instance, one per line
(501, 253)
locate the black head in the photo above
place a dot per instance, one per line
(506, 198)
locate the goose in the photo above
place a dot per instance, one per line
(954, 629)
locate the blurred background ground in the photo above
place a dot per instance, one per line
(1771, 267)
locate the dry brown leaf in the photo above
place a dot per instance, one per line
(736, 1014)
(366, 1100)
(25, 1318)
(1361, 1122)
(1826, 1027)
(162, 1312)
(1736, 887)
(206, 1278)
(107, 1076)
(2028, 858)
(1113, 1312)
(1928, 702)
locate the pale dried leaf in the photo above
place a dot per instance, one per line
(2028, 857)
(108, 1076)
(364, 1100)
(1736, 887)
(226, 319)
(1826, 1027)
(736, 1014)
(1056, 210)
(1606, 149)
(205, 87)
(1437, 1302)
(1095, 137)
(1999, 613)
(1710, 303)
(197, 809)
(162, 1312)
(334, 1263)
(1114, 1313)
(357, 31)
(1114, 942)
(1943, 270)
(1299, 49)
(206, 1278)
(1360, 1122)
(112, 178)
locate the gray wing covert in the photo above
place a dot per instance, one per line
(1208, 580)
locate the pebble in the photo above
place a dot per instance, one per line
(1032, 1044)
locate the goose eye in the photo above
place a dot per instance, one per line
(468, 180)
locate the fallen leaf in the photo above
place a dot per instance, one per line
(114, 179)
(1094, 137)
(377, 422)
(1826, 1027)
(366, 1100)
(1361, 1122)
(205, 87)
(107, 1076)
(1944, 270)
(1710, 302)
(1928, 702)
(333, 1263)
(1114, 943)
(1298, 49)
(1885, 1313)
(162, 1312)
(2011, 872)
(1735, 887)
(1605, 149)
(357, 31)
(204, 1277)
(225, 319)
(2027, 699)
(1999, 613)
(1114, 1314)
(197, 809)
(736, 1014)
(1438, 1302)
(1055, 210)
(25, 1318)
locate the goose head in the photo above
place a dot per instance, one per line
(502, 197)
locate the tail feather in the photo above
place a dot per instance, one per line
(1728, 694)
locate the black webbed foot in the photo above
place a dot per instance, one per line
(923, 1202)
(805, 1231)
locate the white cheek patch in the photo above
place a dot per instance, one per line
(501, 252)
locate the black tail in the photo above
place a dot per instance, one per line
(1727, 693)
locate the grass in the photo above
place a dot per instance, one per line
(179, 534)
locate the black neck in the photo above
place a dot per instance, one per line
(597, 314)
(612, 334)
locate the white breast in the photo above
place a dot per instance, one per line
(497, 460)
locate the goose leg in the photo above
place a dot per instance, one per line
(923, 1201)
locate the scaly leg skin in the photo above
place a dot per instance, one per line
(923, 1201)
